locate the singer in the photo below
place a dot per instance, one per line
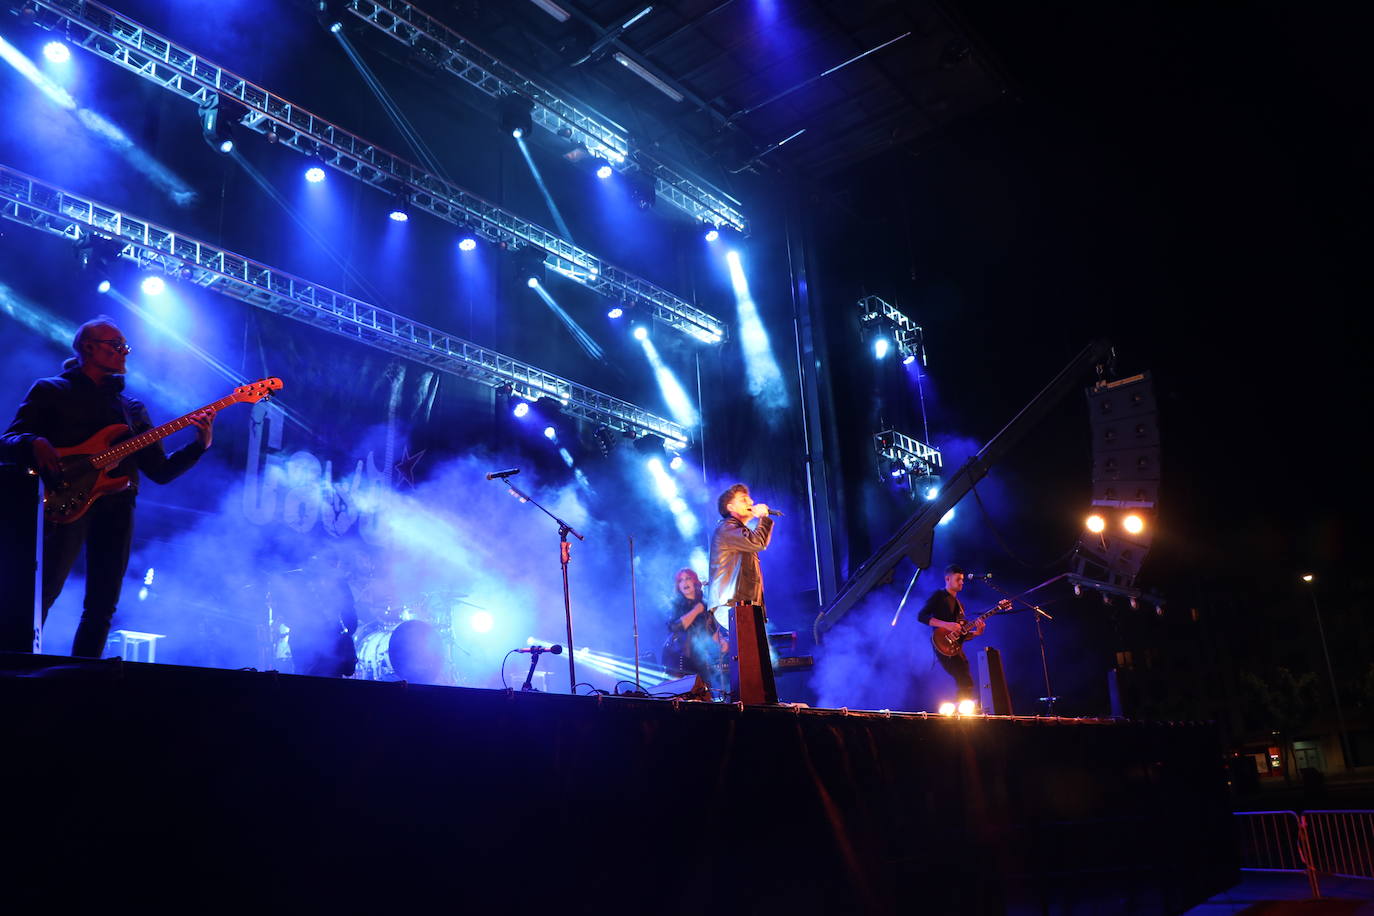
(736, 576)
(944, 611)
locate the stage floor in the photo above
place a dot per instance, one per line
(352, 795)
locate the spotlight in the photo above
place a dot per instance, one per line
(1133, 524)
(103, 286)
(530, 265)
(216, 124)
(467, 240)
(400, 207)
(550, 433)
(603, 168)
(711, 233)
(314, 169)
(967, 707)
(1096, 523)
(676, 463)
(532, 282)
(947, 708)
(1077, 590)
(56, 52)
(909, 359)
(516, 119)
(153, 286)
(481, 621)
(522, 409)
(880, 347)
(641, 332)
(615, 312)
(606, 440)
(927, 486)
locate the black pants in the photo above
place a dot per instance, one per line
(957, 667)
(106, 531)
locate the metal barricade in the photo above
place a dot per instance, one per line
(1338, 844)
(1341, 843)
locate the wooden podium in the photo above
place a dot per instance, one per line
(751, 667)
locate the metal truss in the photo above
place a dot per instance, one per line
(124, 42)
(29, 202)
(912, 454)
(907, 335)
(417, 29)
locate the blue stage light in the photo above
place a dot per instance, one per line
(909, 359)
(467, 243)
(532, 282)
(641, 333)
(676, 463)
(615, 312)
(881, 346)
(522, 409)
(56, 52)
(103, 286)
(482, 621)
(314, 174)
(399, 216)
(153, 286)
(336, 27)
(226, 146)
(550, 433)
(517, 132)
(711, 234)
(604, 170)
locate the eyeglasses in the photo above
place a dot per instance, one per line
(118, 344)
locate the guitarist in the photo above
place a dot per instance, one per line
(64, 411)
(944, 611)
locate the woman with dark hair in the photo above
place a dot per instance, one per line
(696, 642)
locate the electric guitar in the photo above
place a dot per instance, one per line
(96, 467)
(951, 642)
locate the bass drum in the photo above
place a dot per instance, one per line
(410, 651)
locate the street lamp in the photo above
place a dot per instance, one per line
(1330, 672)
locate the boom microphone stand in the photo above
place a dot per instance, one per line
(564, 554)
(1049, 696)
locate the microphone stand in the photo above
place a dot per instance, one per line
(534, 663)
(634, 611)
(564, 554)
(1049, 697)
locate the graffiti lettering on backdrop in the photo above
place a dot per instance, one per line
(301, 491)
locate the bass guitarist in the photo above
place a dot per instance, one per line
(944, 613)
(65, 411)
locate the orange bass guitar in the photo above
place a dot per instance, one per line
(96, 467)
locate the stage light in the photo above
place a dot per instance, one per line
(711, 233)
(1307, 577)
(103, 286)
(1133, 524)
(615, 312)
(603, 168)
(1077, 590)
(881, 346)
(947, 708)
(153, 286)
(1096, 523)
(481, 621)
(908, 359)
(898, 470)
(927, 486)
(676, 463)
(467, 243)
(550, 433)
(521, 410)
(516, 117)
(56, 52)
(314, 170)
(967, 707)
(641, 333)
(532, 282)
(400, 207)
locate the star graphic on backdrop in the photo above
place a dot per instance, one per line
(405, 468)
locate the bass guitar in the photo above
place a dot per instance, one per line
(951, 642)
(97, 468)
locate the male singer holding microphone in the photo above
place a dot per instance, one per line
(736, 577)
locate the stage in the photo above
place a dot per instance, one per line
(201, 787)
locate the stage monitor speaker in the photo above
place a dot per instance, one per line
(751, 667)
(992, 682)
(21, 558)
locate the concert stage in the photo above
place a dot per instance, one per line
(206, 788)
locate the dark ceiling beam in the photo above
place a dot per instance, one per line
(686, 27)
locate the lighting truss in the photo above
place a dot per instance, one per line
(907, 335)
(29, 202)
(913, 454)
(603, 137)
(124, 42)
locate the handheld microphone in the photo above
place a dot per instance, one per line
(774, 512)
(536, 650)
(501, 475)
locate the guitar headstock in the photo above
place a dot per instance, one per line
(256, 391)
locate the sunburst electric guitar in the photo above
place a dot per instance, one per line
(951, 642)
(97, 467)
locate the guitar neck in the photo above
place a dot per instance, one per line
(144, 439)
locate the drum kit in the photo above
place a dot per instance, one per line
(413, 640)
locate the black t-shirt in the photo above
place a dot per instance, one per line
(942, 606)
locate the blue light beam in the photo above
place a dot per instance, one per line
(584, 340)
(760, 365)
(679, 405)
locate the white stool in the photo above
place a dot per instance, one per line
(130, 645)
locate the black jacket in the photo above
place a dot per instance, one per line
(68, 409)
